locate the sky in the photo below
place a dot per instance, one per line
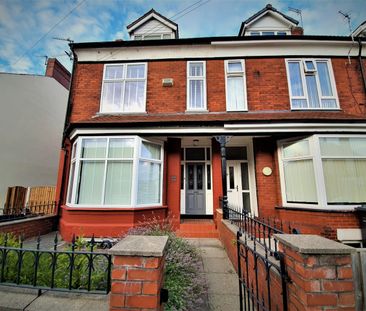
(28, 27)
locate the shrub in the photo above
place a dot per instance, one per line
(182, 276)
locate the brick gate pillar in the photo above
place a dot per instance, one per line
(320, 272)
(137, 273)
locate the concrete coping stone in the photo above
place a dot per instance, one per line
(140, 245)
(313, 244)
(19, 221)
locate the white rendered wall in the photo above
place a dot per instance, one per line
(31, 125)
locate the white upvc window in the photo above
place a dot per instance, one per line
(311, 84)
(236, 99)
(323, 171)
(124, 88)
(269, 33)
(196, 86)
(154, 36)
(115, 171)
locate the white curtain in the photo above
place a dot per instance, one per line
(150, 151)
(235, 93)
(118, 183)
(121, 148)
(300, 181)
(134, 96)
(148, 183)
(323, 73)
(112, 96)
(94, 148)
(345, 180)
(91, 182)
(196, 94)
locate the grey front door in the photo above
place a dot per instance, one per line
(195, 189)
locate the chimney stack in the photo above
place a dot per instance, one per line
(55, 70)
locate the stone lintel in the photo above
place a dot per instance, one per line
(313, 244)
(140, 245)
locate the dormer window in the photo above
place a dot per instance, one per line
(153, 26)
(268, 22)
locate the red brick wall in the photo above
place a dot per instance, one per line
(105, 222)
(31, 227)
(266, 78)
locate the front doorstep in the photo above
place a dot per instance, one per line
(194, 216)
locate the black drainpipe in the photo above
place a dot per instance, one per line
(361, 63)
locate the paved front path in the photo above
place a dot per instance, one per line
(222, 280)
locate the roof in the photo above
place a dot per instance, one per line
(149, 15)
(267, 8)
(201, 40)
(219, 117)
(360, 29)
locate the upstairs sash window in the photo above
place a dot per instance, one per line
(235, 86)
(196, 85)
(124, 88)
(311, 84)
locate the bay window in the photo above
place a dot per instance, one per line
(196, 85)
(115, 171)
(124, 88)
(311, 84)
(323, 171)
(235, 85)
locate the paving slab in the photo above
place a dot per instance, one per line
(69, 302)
(221, 278)
(217, 265)
(223, 302)
(16, 298)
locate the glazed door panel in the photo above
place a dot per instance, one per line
(195, 189)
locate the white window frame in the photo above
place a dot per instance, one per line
(315, 155)
(153, 34)
(202, 78)
(303, 73)
(123, 81)
(236, 74)
(254, 32)
(135, 170)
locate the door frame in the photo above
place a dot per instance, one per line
(205, 142)
(240, 141)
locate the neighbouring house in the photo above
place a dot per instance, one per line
(154, 122)
(31, 125)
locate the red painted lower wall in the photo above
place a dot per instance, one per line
(105, 222)
(30, 227)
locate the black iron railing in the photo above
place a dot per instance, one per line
(80, 267)
(29, 210)
(258, 229)
(262, 279)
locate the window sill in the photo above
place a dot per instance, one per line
(342, 209)
(196, 111)
(76, 208)
(316, 109)
(99, 114)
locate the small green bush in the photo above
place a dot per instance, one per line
(27, 272)
(182, 276)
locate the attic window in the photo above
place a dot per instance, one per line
(268, 33)
(154, 36)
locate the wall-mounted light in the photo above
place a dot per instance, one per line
(195, 142)
(168, 82)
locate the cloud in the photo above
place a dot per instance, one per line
(22, 23)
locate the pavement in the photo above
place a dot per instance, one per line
(221, 278)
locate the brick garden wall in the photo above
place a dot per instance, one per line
(30, 227)
(320, 278)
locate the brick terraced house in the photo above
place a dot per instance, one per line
(151, 120)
